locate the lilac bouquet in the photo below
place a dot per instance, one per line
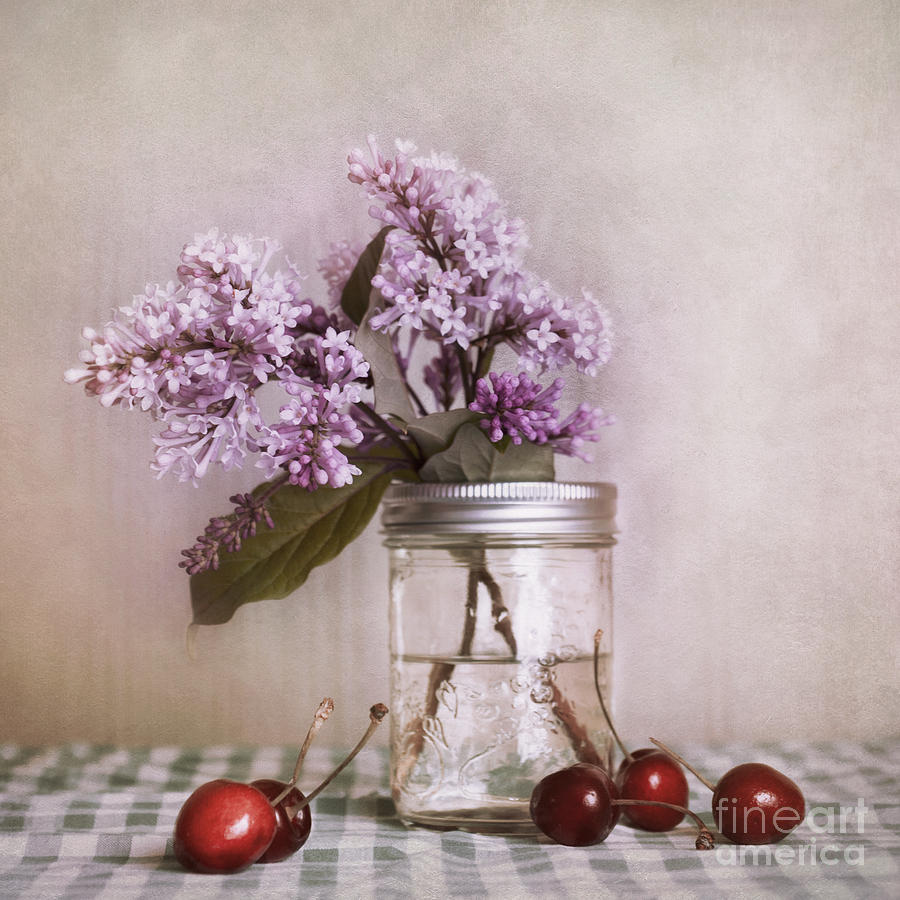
(390, 378)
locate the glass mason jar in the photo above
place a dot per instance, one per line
(496, 593)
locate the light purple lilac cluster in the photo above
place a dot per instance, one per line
(453, 270)
(195, 353)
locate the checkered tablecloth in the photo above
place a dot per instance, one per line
(95, 822)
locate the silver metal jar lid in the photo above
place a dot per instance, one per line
(549, 507)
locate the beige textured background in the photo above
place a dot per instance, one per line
(724, 174)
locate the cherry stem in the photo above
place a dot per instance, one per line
(612, 728)
(326, 707)
(705, 839)
(376, 714)
(683, 762)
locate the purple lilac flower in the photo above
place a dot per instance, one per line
(516, 407)
(408, 191)
(452, 236)
(570, 435)
(222, 265)
(313, 424)
(195, 354)
(306, 442)
(226, 532)
(222, 432)
(453, 267)
(550, 331)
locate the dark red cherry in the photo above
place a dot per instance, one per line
(752, 803)
(756, 804)
(224, 826)
(294, 820)
(652, 775)
(291, 806)
(574, 806)
(647, 774)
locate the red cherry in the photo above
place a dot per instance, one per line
(224, 826)
(294, 820)
(752, 803)
(574, 806)
(645, 774)
(756, 804)
(578, 806)
(290, 805)
(652, 775)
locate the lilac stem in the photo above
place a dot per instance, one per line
(389, 432)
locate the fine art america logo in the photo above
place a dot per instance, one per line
(822, 821)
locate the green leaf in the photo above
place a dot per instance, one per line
(435, 432)
(391, 396)
(359, 300)
(355, 295)
(311, 528)
(472, 457)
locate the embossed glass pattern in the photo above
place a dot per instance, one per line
(492, 642)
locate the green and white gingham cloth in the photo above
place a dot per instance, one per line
(82, 821)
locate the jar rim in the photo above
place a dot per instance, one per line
(552, 507)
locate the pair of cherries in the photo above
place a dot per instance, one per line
(751, 804)
(225, 826)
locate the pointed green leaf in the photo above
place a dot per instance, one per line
(355, 295)
(391, 396)
(311, 528)
(472, 457)
(435, 432)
